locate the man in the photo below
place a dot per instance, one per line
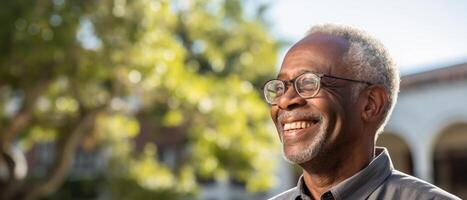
(334, 93)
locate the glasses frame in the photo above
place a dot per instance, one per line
(293, 82)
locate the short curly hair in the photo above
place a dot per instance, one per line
(368, 59)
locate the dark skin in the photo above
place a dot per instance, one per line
(350, 125)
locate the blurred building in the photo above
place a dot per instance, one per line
(427, 133)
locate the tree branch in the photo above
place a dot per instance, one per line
(23, 117)
(17, 124)
(65, 155)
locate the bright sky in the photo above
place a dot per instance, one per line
(420, 35)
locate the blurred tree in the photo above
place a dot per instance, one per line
(181, 75)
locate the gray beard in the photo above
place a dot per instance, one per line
(312, 150)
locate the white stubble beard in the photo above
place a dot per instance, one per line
(311, 150)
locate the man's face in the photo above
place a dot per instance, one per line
(310, 127)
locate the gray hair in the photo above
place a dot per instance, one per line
(368, 59)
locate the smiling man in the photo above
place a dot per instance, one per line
(334, 93)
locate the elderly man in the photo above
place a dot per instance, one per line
(334, 93)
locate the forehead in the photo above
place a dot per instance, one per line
(317, 53)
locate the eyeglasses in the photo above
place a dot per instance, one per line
(307, 85)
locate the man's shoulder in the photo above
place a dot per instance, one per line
(406, 186)
(289, 194)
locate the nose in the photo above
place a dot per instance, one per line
(290, 100)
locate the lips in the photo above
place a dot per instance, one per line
(294, 125)
(296, 131)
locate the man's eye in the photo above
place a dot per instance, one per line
(308, 85)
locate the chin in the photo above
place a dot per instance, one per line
(298, 154)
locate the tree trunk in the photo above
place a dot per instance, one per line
(8, 183)
(22, 118)
(65, 154)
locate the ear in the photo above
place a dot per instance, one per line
(375, 103)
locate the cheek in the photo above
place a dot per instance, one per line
(334, 113)
(327, 106)
(274, 113)
(353, 120)
(342, 126)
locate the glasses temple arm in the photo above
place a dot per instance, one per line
(346, 79)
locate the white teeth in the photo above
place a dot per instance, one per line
(296, 125)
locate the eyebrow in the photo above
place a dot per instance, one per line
(301, 71)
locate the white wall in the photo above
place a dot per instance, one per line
(422, 113)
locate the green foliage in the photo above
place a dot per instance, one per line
(194, 68)
(147, 178)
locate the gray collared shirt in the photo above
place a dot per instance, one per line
(379, 180)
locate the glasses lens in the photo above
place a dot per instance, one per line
(272, 90)
(307, 85)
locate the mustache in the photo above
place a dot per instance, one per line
(298, 114)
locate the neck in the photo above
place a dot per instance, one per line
(328, 170)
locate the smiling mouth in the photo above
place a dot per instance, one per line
(297, 125)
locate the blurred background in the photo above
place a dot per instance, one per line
(159, 99)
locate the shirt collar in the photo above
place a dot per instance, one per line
(361, 184)
(301, 189)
